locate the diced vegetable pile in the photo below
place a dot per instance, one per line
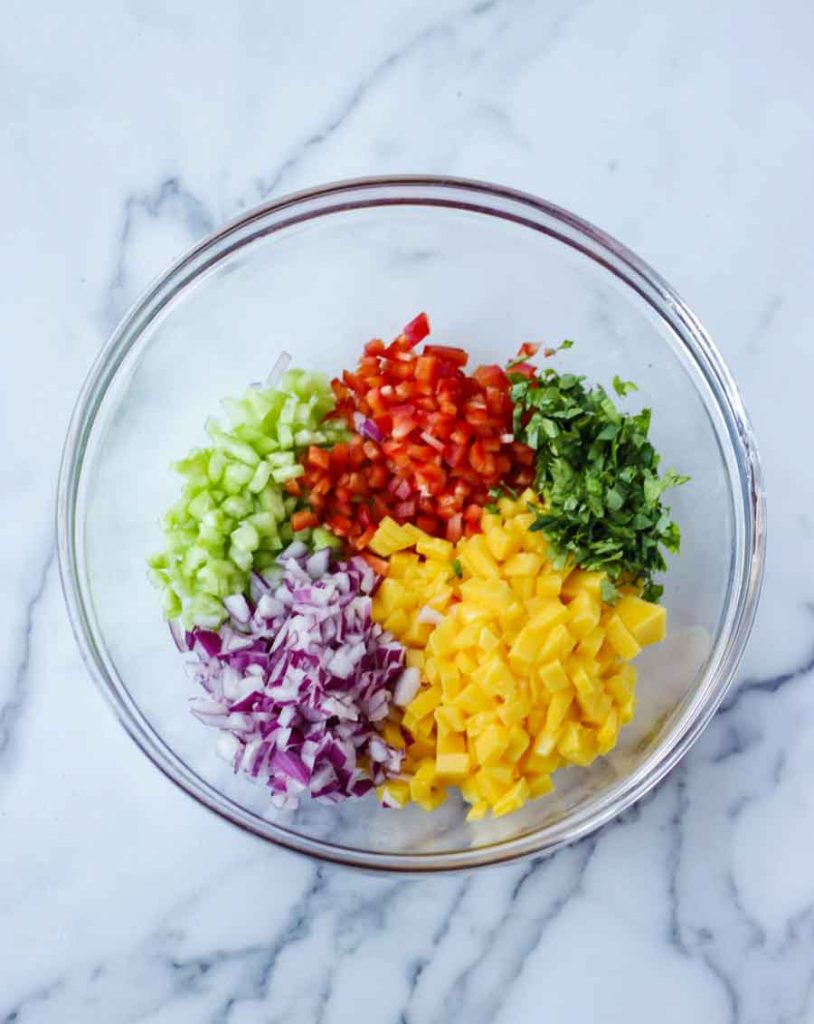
(415, 579)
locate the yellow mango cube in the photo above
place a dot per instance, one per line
(512, 800)
(579, 581)
(394, 793)
(645, 621)
(583, 615)
(491, 744)
(519, 741)
(522, 587)
(621, 639)
(548, 585)
(477, 811)
(514, 709)
(577, 744)
(502, 545)
(414, 659)
(487, 640)
(474, 555)
(416, 634)
(475, 724)
(450, 718)
(434, 548)
(397, 622)
(558, 708)
(595, 707)
(495, 676)
(607, 732)
(589, 646)
(466, 663)
(548, 614)
(524, 563)
(554, 643)
(541, 764)
(553, 676)
(539, 785)
(492, 595)
(393, 735)
(493, 781)
(524, 651)
(473, 699)
(452, 758)
(425, 702)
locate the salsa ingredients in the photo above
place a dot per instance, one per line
(233, 515)
(597, 473)
(430, 442)
(301, 681)
(524, 665)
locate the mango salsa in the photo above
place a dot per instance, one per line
(524, 666)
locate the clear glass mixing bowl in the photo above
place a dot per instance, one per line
(318, 274)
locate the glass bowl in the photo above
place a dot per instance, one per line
(318, 274)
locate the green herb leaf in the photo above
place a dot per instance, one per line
(457, 568)
(598, 476)
(610, 594)
(623, 387)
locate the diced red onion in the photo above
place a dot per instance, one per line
(431, 615)
(299, 690)
(367, 428)
(238, 608)
(406, 687)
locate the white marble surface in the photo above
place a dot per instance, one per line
(133, 128)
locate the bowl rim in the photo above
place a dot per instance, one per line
(635, 273)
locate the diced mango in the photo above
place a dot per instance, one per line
(607, 732)
(621, 639)
(549, 585)
(548, 614)
(539, 785)
(512, 800)
(397, 622)
(487, 640)
(426, 701)
(414, 659)
(555, 642)
(435, 548)
(524, 563)
(519, 741)
(493, 781)
(583, 614)
(477, 811)
(577, 744)
(472, 699)
(514, 709)
(589, 646)
(557, 709)
(450, 717)
(491, 744)
(554, 676)
(493, 595)
(579, 581)
(645, 621)
(501, 544)
(522, 587)
(393, 735)
(527, 671)
(394, 793)
(452, 759)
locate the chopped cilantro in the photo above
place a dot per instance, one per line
(598, 475)
(609, 592)
(622, 387)
(457, 568)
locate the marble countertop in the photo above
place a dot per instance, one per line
(131, 129)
